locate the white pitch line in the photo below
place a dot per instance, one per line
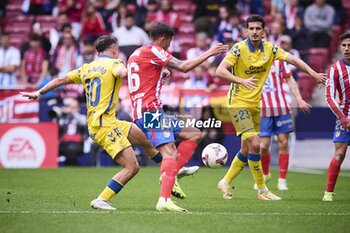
(157, 213)
(315, 171)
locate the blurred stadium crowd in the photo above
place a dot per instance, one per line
(43, 39)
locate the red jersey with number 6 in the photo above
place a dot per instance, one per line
(145, 78)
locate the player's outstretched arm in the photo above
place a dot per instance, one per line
(224, 72)
(48, 87)
(301, 65)
(302, 104)
(187, 65)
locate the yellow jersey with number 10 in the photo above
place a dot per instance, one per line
(246, 63)
(102, 86)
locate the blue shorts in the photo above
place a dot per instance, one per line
(162, 130)
(275, 125)
(340, 134)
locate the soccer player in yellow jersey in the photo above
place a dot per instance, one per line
(102, 80)
(247, 66)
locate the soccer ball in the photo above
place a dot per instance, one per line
(214, 155)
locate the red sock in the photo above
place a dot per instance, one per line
(333, 172)
(168, 173)
(283, 161)
(186, 150)
(265, 162)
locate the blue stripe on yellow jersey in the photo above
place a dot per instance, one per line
(246, 63)
(102, 86)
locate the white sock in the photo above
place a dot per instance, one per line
(264, 190)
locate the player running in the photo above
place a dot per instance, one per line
(102, 80)
(146, 75)
(339, 81)
(250, 60)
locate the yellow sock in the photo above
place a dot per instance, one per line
(256, 170)
(112, 188)
(107, 194)
(236, 167)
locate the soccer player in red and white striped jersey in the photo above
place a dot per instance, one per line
(146, 67)
(276, 118)
(339, 82)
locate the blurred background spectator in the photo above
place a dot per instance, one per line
(72, 130)
(66, 55)
(93, 25)
(197, 78)
(319, 18)
(130, 36)
(35, 63)
(88, 53)
(10, 61)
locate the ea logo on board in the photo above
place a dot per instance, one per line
(22, 147)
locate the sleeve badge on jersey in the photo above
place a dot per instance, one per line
(235, 50)
(274, 50)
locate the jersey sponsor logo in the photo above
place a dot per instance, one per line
(283, 122)
(22, 147)
(255, 70)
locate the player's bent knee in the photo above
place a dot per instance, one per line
(264, 149)
(283, 144)
(255, 147)
(133, 168)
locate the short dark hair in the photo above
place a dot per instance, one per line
(161, 29)
(103, 42)
(344, 36)
(255, 18)
(129, 15)
(5, 34)
(66, 25)
(35, 37)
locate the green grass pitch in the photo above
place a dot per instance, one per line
(58, 201)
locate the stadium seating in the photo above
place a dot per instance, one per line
(319, 58)
(183, 6)
(12, 10)
(306, 85)
(186, 27)
(334, 43)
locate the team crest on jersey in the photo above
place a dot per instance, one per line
(337, 134)
(166, 134)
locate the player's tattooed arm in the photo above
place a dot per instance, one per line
(175, 63)
(187, 65)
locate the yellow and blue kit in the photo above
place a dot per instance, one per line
(243, 103)
(102, 85)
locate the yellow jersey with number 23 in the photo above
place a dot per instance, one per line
(246, 63)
